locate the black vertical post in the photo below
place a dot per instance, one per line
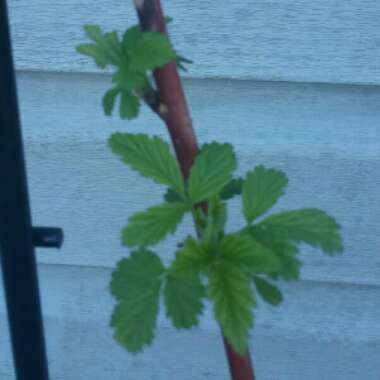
(16, 238)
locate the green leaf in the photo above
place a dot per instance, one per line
(130, 80)
(284, 250)
(150, 156)
(131, 38)
(151, 226)
(268, 292)
(107, 48)
(234, 187)
(172, 196)
(229, 289)
(152, 50)
(211, 171)
(135, 284)
(247, 254)
(109, 100)
(193, 259)
(183, 299)
(92, 51)
(311, 226)
(261, 190)
(129, 105)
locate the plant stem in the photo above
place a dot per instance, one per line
(172, 108)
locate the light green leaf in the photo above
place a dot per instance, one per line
(311, 226)
(92, 51)
(261, 190)
(129, 105)
(130, 80)
(151, 226)
(211, 171)
(247, 254)
(109, 100)
(151, 51)
(150, 156)
(285, 251)
(268, 292)
(108, 46)
(183, 299)
(193, 259)
(229, 289)
(136, 285)
(234, 187)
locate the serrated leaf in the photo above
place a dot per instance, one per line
(108, 47)
(268, 292)
(152, 50)
(129, 105)
(311, 226)
(247, 254)
(261, 190)
(193, 259)
(135, 284)
(109, 100)
(130, 80)
(151, 226)
(234, 187)
(149, 156)
(211, 171)
(92, 51)
(285, 251)
(183, 300)
(230, 291)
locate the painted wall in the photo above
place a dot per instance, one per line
(296, 87)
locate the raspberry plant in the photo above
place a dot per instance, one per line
(230, 269)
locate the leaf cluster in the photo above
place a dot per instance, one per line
(132, 58)
(230, 269)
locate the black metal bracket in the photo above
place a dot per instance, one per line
(47, 237)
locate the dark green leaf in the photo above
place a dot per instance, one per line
(234, 187)
(311, 226)
(249, 255)
(211, 171)
(172, 196)
(193, 259)
(285, 251)
(150, 156)
(261, 190)
(129, 105)
(151, 51)
(183, 300)
(229, 289)
(136, 285)
(151, 226)
(269, 292)
(109, 100)
(131, 38)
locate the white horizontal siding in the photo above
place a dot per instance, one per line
(327, 139)
(291, 40)
(295, 341)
